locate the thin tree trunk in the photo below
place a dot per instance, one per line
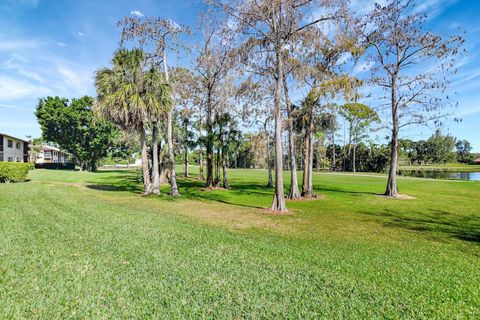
(294, 192)
(226, 185)
(185, 173)
(334, 153)
(354, 160)
(155, 171)
(209, 141)
(217, 168)
(392, 190)
(306, 160)
(269, 161)
(200, 151)
(171, 158)
(279, 197)
(310, 165)
(147, 184)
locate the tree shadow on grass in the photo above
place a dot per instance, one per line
(448, 224)
(240, 194)
(321, 189)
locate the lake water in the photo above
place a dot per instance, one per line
(448, 175)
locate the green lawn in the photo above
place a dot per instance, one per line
(87, 245)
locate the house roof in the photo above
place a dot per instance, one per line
(45, 147)
(7, 135)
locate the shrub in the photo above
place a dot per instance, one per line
(55, 166)
(14, 171)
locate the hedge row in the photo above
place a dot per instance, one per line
(55, 166)
(14, 171)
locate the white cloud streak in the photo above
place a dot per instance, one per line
(137, 13)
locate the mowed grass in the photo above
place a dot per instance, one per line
(88, 245)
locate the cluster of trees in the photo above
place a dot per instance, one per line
(249, 57)
(438, 149)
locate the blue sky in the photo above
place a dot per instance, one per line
(53, 47)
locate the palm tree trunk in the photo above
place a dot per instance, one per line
(147, 184)
(226, 184)
(155, 170)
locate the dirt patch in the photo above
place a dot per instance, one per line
(399, 196)
(276, 213)
(303, 199)
(213, 188)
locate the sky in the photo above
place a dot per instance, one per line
(52, 48)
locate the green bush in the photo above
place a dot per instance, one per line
(14, 171)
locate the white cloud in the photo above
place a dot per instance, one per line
(30, 4)
(137, 13)
(9, 106)
(20, 65)
(12, 45)
(468, 111)
(433, 8)
(362, 67)
(81, 34)
(77, 82)
(61, 44)
(11, 88)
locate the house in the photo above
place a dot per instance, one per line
(476, 161)
(13, 149)
(50, 154)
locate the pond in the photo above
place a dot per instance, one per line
(437, 174)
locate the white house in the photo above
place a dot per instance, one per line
(50, 154)
(13, 149)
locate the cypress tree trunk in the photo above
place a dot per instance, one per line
(269, 161)
(171, 158)
(155, 169)
(392, 190)
(294, 192)
(279, 197)
(200, 149)
(209, 141)
(147, 184)
(334, 153)
(185, 173)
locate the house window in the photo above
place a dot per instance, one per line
(18, 145)
(1, 156)
(10, 143)
(17, 159)
(10, 159)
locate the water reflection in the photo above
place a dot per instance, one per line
(448, 175)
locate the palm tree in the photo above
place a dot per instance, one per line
(133, 99)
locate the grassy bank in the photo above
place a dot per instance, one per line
(87, 245)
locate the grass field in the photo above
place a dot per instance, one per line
(87, 245)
